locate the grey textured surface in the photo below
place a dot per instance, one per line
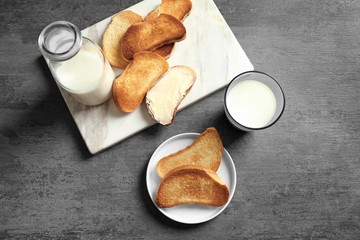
(299, 179)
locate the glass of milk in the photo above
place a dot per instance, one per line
(78, 64)
(253, 101)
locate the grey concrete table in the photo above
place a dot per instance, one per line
(299, 179)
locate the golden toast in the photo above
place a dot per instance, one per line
(131, 86)
(114, 33)
(180, 9)
(192, 184)
(205, 151)
(150, 35)
(177, 8)
(164, 97)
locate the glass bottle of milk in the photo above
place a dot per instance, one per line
(77, 63)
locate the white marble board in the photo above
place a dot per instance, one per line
(210, 48)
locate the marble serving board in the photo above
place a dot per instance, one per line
(210, 48)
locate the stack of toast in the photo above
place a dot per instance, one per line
(141, 49)
(189, 175)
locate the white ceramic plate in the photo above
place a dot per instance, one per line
(190, 214)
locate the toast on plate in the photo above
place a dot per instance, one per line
(113, 34)
(191, 184)
(150, 35)
(163, 99)
(131, 86)
(205, 151)
(180, 9)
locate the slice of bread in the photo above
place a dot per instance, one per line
(113, 34)
(177, 8)
(148, 36)
(192, 185)
(131, 86)
(205, 151)
(163, 99)
(180, 9)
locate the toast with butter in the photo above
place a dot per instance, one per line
(180, 9)
(113, 34)
(150, 35)
(131, 86)
(205, 151)
(163, 99)
(191, 184)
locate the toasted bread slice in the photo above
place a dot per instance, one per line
(113, 34)
(192, 184)
(177, 8)
(163, 99)
(148, 36)
(205, 151)
(131, 86)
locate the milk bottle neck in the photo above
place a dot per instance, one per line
(60, 41)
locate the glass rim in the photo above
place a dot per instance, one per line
(271, 122)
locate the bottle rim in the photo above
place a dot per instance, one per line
(70, 52)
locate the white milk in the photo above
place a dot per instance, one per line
(251, 103)
(86, 75)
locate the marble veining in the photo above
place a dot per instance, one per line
(210, 48)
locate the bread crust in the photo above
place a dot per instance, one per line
(192, 184)
(131, 86)
(205, 151)
(166, 50)
(148, 36)
(111, 40)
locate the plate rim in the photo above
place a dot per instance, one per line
(231, 189)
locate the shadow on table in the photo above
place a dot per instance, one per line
(228, 133)
(50, 110)
(63, 114)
